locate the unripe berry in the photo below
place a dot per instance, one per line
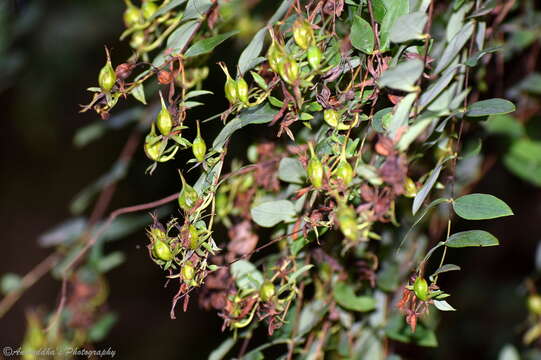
(344, 172)
(148, 9)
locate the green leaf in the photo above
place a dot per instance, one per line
(196, 9)
(258, 115)
(362, 35)
(207, 45)
(345, 297)
(246, 275)
(455, 46)
(471, 238)
(403, 76)
(163, 9)
(445, 268)
(409, 27)
(291, 171)
(101, 328)
(271, 213)
(443, 305)
(110, 261)
(180, 37)
(425, 190)
(138, 92)
(401, 115)
(505, 125)
(480, 207)
(89, 133)
(64, 233)
(397, 329)
(395, 9)
(524, 160)
(311, 315)
(221, 351)
(196, 93)
(490, 107)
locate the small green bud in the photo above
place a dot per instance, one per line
(267, 291)
(315, 169)
(303, 34)
(242, 90)
(420, 288)
(344, 172)
(187, 196)
(314, 57)
(199, 148)
(132, 16)
(164, 119)
(107, 76)
(348, 223)
(534, 304)
(148, 9)
(162, 251)
(188, 271)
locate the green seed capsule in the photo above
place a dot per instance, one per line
(187, 196)
(107, 77)
(193, 235)
(242, 90)
(314, 57)
(289, 71)
(420, 288)
(148, 9)
(348, 223)
(157, 233)
(199, 148)
(164, 119)
(331, 117)
(137, 39)
(315, 172)
(534, 304)
(267, 291)
(162, 251)
(410, 189)
(303, 34)
(188, 271)
(230, 87)
(275, 55)
(132, 16)
(344, 172)
(314, 169)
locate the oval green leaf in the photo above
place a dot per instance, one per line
(362, 36)
(472, 238)
(481, 207)
(490, 107)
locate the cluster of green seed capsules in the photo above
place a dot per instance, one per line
(156, 144)
(172, 251)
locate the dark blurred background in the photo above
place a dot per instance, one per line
(47, 60)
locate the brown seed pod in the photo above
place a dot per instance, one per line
(165, 77)
(123, 71)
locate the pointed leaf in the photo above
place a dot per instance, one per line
(409, 27)
(207, 45)
(362, 35)
(271, 213)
